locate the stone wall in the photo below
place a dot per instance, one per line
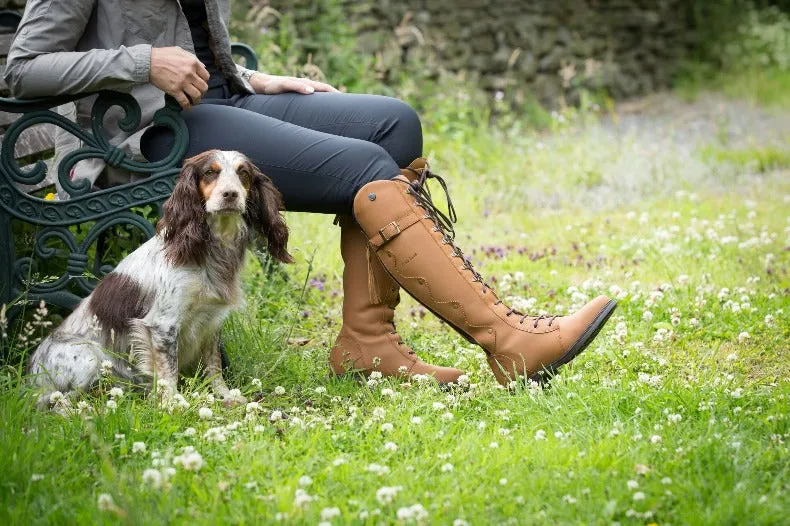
(544, 48)
(547, 47)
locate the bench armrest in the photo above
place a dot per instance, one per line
(84, 205)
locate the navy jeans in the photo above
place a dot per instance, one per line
(318, 149)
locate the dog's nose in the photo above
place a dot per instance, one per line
(230, 194)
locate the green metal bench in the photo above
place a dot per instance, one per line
(35, 231)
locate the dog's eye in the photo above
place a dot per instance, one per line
(208, 174)
(244, 175)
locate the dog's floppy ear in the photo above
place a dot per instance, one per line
(183, 222)
(263, 214)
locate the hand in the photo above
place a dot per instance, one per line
(272, 84)
(179, 74)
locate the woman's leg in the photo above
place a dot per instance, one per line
(388, 122)
(315, 171)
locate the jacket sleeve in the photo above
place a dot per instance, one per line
(43, 62)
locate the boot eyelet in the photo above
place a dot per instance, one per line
(421, 281)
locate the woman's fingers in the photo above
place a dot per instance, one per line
(200, 84)
(182, 100)
(193, 93)
(320, 86)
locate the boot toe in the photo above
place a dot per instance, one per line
(584, 320)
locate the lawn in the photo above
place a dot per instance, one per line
(677, 414)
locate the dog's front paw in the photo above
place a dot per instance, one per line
(233, 398)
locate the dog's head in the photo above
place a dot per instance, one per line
(221, 195)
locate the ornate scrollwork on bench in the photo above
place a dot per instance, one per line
(97, 211)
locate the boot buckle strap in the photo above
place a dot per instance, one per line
(393, 229)
(389, 231)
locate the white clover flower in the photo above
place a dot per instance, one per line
(385, 495)
(153, 478)
(378, 469)
(674, 418)
(632, 484)
(438, 406)
(138, 447)
(256, 383)
(639, 496)
(205, 413)
(116, 392)
(189, 459)
(666, 481)
(737, 393)
(460, 522)
(305, 480)
(215, 434)
(106, 368)
(327, 514)
(569, 499)
(112, 405)
(503, 482)
(742, 337)
(379, 413)
(769, 320)
(279, 390)
(447, 467)
(540, 434)
(647, 315)
(388, 392)
(36, 477)
(416, 420)
(253, 407)
(415, 512)
(56, 397)
(104, 502)
(302, 499)
(493, 445)
(275, 416)
(655, 439)
(188, 432)
(320, 390)
(387, 427)
(259, 429)
(391, 446)
(447, 416)
(375, 375)
(339, 461)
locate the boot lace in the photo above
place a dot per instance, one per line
(443, 223)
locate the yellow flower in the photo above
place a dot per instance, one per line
(50, 197)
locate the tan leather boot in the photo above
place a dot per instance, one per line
(414, 241)
(368, 340)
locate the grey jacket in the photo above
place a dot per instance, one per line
(77, 46)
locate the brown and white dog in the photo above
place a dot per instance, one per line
(160, 311)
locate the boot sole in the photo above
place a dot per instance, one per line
(584, 340)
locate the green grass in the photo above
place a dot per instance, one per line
(766, 86)
(760, 159)
(676, 417)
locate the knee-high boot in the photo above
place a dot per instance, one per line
(368, 340)
(414, 241)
